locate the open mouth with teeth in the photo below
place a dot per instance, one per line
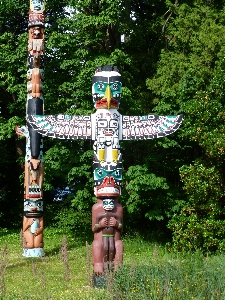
(108, 188)
(107, 191)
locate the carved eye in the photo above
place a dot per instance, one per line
(115, 86)
(117, 174)
(100, 173)
(100, 86)
(113, 123)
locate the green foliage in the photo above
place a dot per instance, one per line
(190, 79)
(145, 193)
(200, 223)
(172, 61)
(77, 40)
(70, 220)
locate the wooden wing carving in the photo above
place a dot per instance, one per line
(149, 127)
(61, 126)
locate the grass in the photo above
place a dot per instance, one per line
(149, 271)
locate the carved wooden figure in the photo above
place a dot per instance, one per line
(33, 223)
(106, 127)
(107, 248)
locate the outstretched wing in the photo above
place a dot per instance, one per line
(149, 127)
(62, 126)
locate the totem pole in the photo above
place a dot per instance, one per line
(106, 127)
(33, 224)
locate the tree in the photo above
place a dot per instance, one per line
(171, 59)
(77, 40)
(189, 78)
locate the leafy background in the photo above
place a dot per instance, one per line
(171, 57)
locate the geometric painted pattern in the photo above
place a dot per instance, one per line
(79, 127)
(149, 127)
(62, 126)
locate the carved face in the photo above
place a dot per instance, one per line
(37, 5)
(107, 179)
(36, 33)
(106, 89)
(33, 208)
(106, 133)
(108, 204)
(34, 167)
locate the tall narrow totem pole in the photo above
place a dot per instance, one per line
(33, 224)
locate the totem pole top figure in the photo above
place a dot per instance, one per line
(106, 88)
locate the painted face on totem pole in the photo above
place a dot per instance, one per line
(36, 32)
(37, 5)
(107, 127)
(107, 179)
(106, 87)
(108, 204)
(33, 208)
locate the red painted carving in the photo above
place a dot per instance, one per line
(107, 248)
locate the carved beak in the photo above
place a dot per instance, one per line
(108, 95)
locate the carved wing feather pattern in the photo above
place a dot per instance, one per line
(149, 127)
(62, 126)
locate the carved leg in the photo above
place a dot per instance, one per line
(97, 257)
(28, 239)
(38, 241)
(111, 252)
(105, 241)
(119, 254)
(101, 154)
(114, 155)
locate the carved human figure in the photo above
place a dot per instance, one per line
(33, 224)
(35, 80)
(33, 238)
(107, 248)
(36, 41)
(107, 135)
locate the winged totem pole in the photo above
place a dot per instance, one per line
(106, 127)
